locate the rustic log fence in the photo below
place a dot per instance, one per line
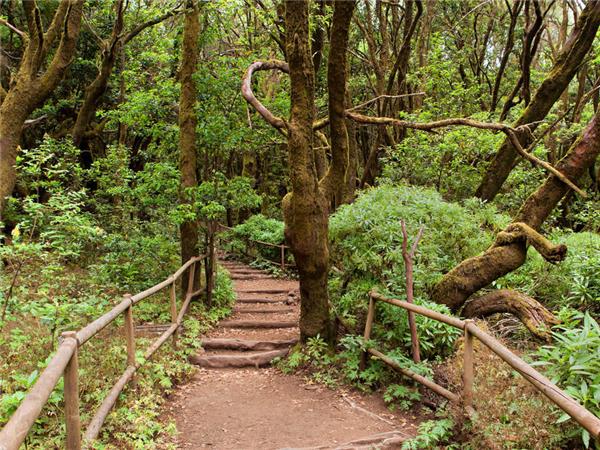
(65, 363)
(282, 247)
(470, 331)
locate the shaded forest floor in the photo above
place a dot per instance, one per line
(262, 408)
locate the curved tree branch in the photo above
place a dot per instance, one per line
(273, 64)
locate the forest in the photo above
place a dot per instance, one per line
(441, 153)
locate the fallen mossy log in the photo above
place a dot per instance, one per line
(258, 324)
(231, 361)
(245, 345)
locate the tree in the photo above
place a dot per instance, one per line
(566, 66)
(306, 208)
(509, 250)
(33, 83)
(188, 164)
(110, 50)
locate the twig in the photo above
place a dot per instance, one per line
(365, 411)
(383, 96)
(515, 142)
(11, 27)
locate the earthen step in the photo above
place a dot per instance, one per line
(262, 310)
(250, 277)
(260, 300)
(226, 361)
(262, 291)
(245, 344)
(258, 324)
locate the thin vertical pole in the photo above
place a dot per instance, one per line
(368, 328)
(282, 257)
(174, 312)
(71, 394)
(129, 330)
(468, 372)
(191, 277)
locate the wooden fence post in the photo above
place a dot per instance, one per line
(468, 373)
(71, 394)
(368, 328)
(174, 311)
(129, 329)
(191, 277)
(282, 257)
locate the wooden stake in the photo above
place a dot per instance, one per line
(282, 257)
(130, 333)
(368, 328)
(174, 312)
(468, 372)
(191, 276)
(408, 269)
(71, 393)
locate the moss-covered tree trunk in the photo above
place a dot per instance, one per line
(33, 84)
(187, 129)
(305, 209)
(565, 68)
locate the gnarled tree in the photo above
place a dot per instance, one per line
(35, 80)
(307, 206)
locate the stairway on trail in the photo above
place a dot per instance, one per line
(237, 401)
(264, 325)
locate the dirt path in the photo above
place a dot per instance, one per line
(232, 404)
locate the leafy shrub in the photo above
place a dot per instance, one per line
(366, 239)
(257, 228)
(451, 161)
(572, 363)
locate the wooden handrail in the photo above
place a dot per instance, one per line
(557, 396)
(16, 429)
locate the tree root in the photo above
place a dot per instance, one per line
(530, 312)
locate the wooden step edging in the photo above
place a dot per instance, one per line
(258, 324)
(230, 361)
(245, 345)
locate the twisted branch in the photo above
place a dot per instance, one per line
(282, 126)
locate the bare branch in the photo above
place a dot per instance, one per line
(14, 29)
(277, 122)
(517, 144)
(137, 30)
(368, 102)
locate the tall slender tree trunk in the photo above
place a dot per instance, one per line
(187, 129)
(565, 68)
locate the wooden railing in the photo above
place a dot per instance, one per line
(282, 247)
(561, 399)
(65, 362)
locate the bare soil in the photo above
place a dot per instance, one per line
(249, 408)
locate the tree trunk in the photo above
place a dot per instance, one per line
(335, 182)
(187, 132)
(565, 68)
(305, 209)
